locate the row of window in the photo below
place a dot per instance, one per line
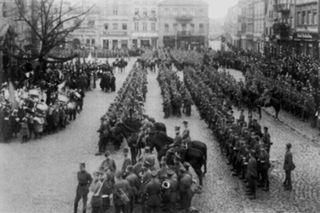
(307, 17)
(116, 26)
(183, 12)
(145, 12)
(144, 26)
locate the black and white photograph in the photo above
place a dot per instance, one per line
(159, 106)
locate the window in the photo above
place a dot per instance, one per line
(91, 24)
(184, 11)
(136, 26)
(166, 27)
(175, 27)
(115, 11)
(145, 26)
(175, 12)
(299, 18)
(153, 26)
(88, 41)
(4, 10)
(184, 27)
(309, 18)
(266, 31)
(145, 13)
(124, 26)
(192, 27)
(304, 18)
(166, 12)
(136, 12)
(124, 10)
(201, 28)
(115, 26)
(153, 13)
(201, 12)
(192, 12)
(106, 26)
(314, 17)
(93, 41)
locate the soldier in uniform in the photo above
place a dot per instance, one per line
(108, 163)
(266, 139)
(176, 145)
(152, 194)
(265, 165)
(121, 193)
(107, 188)
(288, 166)
(84, 179)
(186, 134)
(173, 189)
(148, 157)
(127, 161)
(133, 181)
(185, 190)
(252, 175)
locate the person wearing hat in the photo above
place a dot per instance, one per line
(133, 181)
(266, 138)
(152, 194)
(121, 194)
(173, 191)
(185, 189)
(288, 166)
(264, 164)
(84, 181)
(95, 188)
(103, 135)
(149, 159)
(252, 175)
(257, 127)
(187, 165)
(108, 163)
(106, 188)
(127, 161)
(186, 134)
(177, 143)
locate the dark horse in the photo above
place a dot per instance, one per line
(196, 154)
(255, 101)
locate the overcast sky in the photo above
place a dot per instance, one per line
(219, 8)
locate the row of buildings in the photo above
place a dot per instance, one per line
(275, 26)
(137, 23)
(114, 24)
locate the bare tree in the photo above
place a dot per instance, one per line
(49, 24)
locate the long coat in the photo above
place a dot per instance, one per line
(288, 162)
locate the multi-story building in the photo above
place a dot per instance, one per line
(242, 23)
(183, 23)
(306, 35)
(231, 25)
(249, 23)
(144, 30)
(269, 37)
(258, 25)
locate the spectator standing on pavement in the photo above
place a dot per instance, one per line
(127, 161)
(95, 187)
(288, 167)
(84, 179)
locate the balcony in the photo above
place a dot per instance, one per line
(282, 8)
(184, 18)
(281, 29)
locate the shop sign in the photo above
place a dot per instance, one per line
(307, 36)
(114, 33)
(144, 34)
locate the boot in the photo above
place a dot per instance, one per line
(75, 208)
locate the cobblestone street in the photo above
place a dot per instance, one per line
(40, 176)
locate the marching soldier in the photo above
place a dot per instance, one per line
(265, 165)
(266, 139)
(84, 179)
(252, 175)
(133, 181)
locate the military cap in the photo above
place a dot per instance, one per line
(147, 148)
(125, 150)
(185, 122)
(129, 168)
(266, 128)
(107, 153)
(177, 128)
(288, 145)
(83, 164)
(186, 165)
(152, 120)
(182, 170)
(170, 172)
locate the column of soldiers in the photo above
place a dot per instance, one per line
(246, 147)
(174, 94)
(295, 79)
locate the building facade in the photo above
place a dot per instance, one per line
(183, 23)
(258, 25)
(144, 32)
(306, 35)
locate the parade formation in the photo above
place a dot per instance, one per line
(158, 173)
